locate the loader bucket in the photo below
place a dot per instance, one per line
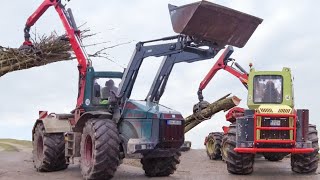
(211, 22)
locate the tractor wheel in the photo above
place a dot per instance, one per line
(274, 156)
(48, 150)
(213, 145)
(100, 152)
(237, 163)
(162, 166)
(186, 146)
(307, 163)
(224, 153)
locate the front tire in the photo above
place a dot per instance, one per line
(307, 163)
(186, 146)
(162, 166)
(237, 163)
(274, 156)
(100, 152)
(48, 150)
(213, 145)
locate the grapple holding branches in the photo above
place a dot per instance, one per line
(48, 49)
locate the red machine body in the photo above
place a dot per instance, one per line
(222, 64)
(73, 35)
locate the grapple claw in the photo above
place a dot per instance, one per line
(200, 106)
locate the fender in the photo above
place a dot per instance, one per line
(89, 115)
(52, 124)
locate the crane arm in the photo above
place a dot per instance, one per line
(35, 17)
(222, 63)
(73, 35)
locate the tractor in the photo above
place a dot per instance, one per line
(271, 126)
(106, 125)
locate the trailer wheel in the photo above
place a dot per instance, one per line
(307, 163)
(100, 151)
(162, 166)
(213, 145)
(48, 150)
(237, 163)
(274, 156)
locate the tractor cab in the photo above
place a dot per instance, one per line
(100, 89)
(270, 89)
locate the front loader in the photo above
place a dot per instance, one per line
(271, 126)
(106, 125)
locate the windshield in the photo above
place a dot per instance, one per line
(267, 89)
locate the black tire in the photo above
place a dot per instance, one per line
(48, 150)
(224, 153)
(184, 149)
(159, 167)
(274, 156)
(237, 163)
(213, 145)
(307, 163)
(100, 149)
(186, 146)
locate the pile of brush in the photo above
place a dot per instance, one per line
(47, 49)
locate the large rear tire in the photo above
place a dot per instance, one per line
(213, 145)
(100, 152)
(159, 167)
(274, 156)
(307, 163)
(48, 150)
(237, 163)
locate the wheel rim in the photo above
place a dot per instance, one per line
(224, 149)
(40, 147)
(88, 150)
(210, 146)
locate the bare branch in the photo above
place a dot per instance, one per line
(48, 49)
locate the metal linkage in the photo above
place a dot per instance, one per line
(183, 50)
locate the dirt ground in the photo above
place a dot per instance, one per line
(194, 165)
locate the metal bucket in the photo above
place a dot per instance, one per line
(211, 22)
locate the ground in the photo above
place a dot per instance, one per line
(16, 163)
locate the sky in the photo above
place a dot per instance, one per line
(288, 37)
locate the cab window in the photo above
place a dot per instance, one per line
(267, 89)
(104, 90)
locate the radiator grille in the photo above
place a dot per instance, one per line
(170, 135)
(275, 134)
(284, 111)
(266, 110)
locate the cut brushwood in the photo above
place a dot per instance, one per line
(223, 104)
(48, 49)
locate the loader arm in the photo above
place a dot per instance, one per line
(73, 35)
(158, 87)
(222, 63)
(183, 50)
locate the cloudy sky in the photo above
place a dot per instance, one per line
(288, 37)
